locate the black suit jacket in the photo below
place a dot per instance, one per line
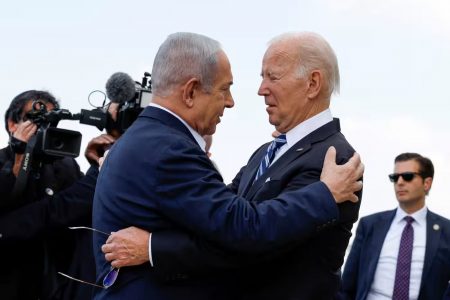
(156, 177)
(363, 258)
(447, 292)
(306, 269)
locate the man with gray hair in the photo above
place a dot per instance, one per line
(158, 178)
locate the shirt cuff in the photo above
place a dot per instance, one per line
(150, 249)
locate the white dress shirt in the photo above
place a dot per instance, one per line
(303, 129)
(383, 282)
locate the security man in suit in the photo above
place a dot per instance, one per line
(403, 253)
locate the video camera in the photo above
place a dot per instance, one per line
(52, 142)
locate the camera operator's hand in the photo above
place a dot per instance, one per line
(25, 131)
(102, 159)
(97, 147)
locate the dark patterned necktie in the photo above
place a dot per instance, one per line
(403, 271)
(270, 154)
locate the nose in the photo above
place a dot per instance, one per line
(263, 91)
(400, 181)
(229, 102)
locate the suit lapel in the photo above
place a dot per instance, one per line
(380, 228)
(434, 230)
(297, 150)
(250, 171)
(167, 119)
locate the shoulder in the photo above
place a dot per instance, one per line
(435, 217)
(377, 217)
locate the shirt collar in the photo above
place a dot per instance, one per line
(306, 127)
(198, 138)
(420, 216)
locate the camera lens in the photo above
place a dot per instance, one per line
(57, 144)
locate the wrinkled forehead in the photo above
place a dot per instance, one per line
(281, 53)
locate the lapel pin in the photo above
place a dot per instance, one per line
(299, 149)
(436, 227)
(267, 180)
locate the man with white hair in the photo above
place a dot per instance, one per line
(299, 74)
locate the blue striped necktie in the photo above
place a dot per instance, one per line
(270, 154)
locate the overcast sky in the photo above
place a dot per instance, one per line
(394, 59)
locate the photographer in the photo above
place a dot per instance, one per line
(34, 240)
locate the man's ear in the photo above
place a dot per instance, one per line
(190, 91)
(314, 84)
(12, 127)
(427, 182)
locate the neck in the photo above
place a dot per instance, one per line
(174, 105)
(313, 111)
(411, 208)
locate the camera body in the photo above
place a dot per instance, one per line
(127, 112)
(130, 110)
(52, 142)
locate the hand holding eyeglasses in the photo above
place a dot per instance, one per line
(127, 247)
(109, 278)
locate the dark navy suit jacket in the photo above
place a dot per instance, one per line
(447, 292)
(363, 258)
(305, 269)
(156, 177)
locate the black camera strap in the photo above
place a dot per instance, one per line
(25, 168)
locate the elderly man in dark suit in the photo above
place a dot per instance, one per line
(402, 253)
(299, 75)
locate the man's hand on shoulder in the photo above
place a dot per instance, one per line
(342, 180)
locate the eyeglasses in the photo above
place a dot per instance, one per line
(407, 176)
(109, 278)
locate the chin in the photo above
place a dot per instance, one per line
(210, 131)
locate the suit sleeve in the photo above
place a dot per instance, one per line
(351, 270)
(193, 254)
(234, 185)
(70, 207)
(215, 213)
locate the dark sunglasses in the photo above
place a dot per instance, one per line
(109, 278)
(407, 176)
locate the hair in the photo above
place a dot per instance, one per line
(314, 53)
(182, 56)
(426, 168)
(15, 109)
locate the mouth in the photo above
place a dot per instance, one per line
(270, 108)
(401, 193)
